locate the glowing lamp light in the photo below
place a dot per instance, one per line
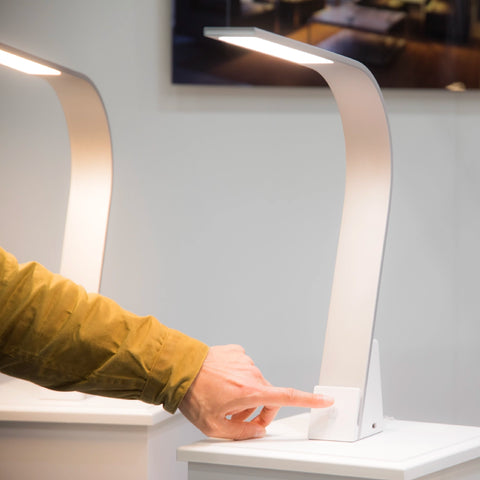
(275, 50)
(24, 65)
(350, 368)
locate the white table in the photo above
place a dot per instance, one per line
(45, 435)
(403, 451)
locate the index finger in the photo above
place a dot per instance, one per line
(290, 397)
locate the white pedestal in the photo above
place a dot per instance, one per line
(403, 451)
(43, 436)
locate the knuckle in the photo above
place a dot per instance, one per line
(290, 394)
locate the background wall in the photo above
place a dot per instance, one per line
(226, 204)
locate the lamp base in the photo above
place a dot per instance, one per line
(347, 420)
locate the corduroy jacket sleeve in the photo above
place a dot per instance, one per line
(56, 335)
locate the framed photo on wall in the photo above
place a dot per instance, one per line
(405, 43)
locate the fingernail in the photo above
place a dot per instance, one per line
(260, 433)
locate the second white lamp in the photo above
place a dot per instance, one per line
(350, 365)
(91, 165)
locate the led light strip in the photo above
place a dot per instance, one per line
(275, 50)
(26, 66)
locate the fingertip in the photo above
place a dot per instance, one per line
(289, 397)
(325, 400)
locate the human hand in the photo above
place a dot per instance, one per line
(229, 388)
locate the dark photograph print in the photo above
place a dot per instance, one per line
(405, 43)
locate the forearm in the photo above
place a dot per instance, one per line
(55, 334)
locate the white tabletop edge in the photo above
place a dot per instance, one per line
(460, 444)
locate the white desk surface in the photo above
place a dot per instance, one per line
(403, 451)
(22, 401)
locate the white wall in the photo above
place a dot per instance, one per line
(226, 204)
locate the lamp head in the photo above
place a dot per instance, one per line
(269, 44)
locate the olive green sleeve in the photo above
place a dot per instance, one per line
(55, 334)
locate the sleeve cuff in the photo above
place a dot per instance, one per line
(174, 370)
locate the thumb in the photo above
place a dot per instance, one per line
(241, 430)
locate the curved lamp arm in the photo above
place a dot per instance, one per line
(351, 318)
(361, 242)
(91, 165)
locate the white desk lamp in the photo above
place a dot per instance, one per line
(91, 165)
(350, 366)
